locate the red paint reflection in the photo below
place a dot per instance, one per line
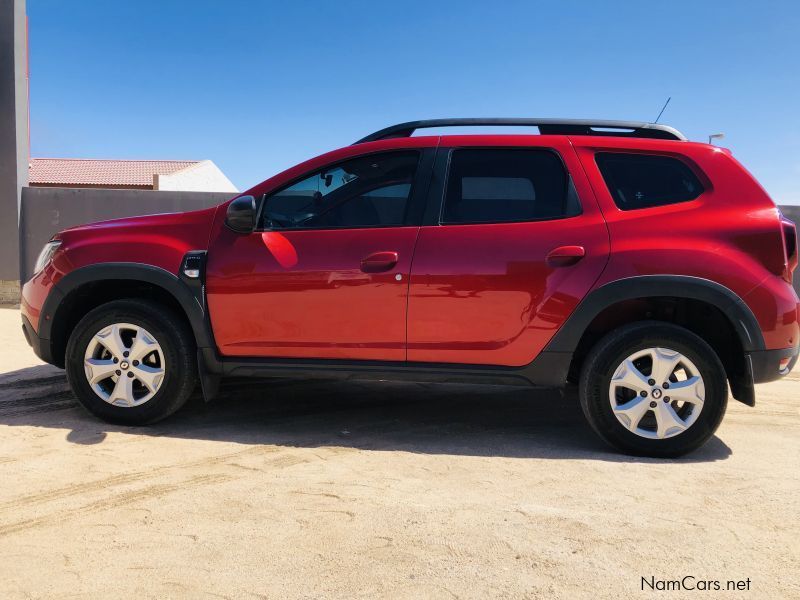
(281, 248)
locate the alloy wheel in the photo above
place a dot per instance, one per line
(124, 365)
(656, 393)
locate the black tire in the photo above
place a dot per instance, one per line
(177, 345)
(602, 362)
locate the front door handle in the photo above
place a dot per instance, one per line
(564, 256)
(378, 262)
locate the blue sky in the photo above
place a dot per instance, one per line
(259, 86)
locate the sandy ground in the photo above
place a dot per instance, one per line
(319, 490)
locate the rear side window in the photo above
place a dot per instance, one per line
(501, 186)
(643, 181)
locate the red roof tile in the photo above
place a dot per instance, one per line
(83, 171)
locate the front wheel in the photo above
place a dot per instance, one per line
(131, 362)
(653, 389)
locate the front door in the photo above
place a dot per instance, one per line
(326, 275)
(518, 242)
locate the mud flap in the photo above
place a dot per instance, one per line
(742, 388)
(209, 382)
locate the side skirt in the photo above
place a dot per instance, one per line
(548, 370)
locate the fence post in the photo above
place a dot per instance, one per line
(13, 140)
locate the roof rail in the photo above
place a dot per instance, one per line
(546, 127)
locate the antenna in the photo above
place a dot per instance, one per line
(715, 136)
(662, 109)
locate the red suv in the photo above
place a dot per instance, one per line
(650, 270)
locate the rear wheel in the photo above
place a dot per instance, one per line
(653, 389)
(131, 362)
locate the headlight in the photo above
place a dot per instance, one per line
(45, 255)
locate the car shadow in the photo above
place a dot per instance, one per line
(410, 417)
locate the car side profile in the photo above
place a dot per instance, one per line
(651, 271)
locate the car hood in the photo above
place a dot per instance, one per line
(201, 219)
(158, 240)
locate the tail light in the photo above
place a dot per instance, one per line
(790, 247)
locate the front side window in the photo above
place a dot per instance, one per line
(368, 191)
(647, 180)
(507, 185)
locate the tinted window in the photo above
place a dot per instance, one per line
(642, 181)
(369, 191)
(495, 186)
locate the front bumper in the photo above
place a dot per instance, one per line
(40, 346)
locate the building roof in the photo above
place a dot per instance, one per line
(84, 171)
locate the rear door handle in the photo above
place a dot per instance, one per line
(378, 262)
(564, 256)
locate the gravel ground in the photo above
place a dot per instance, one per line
(374, 490)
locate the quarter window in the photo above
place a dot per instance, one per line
(368, 191)
(500, 186)
(643, 181)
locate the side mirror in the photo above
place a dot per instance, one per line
(241, 215)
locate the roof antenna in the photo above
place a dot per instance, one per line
(662, 110)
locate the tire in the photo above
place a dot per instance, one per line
(159, 385)
(653, 347)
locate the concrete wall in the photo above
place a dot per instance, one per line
(13, 137)
(46, 211)
(793, 213)
(205, 176)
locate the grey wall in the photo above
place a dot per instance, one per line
(793, 213)
(46, 211)
(13, 130)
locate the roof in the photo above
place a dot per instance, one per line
(85, 171)
(635, 129)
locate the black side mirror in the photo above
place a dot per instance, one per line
(241, 215)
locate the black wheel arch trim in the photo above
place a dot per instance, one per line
(549, 369)
(188, 296)
(652, 286)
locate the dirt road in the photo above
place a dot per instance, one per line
(318, 490)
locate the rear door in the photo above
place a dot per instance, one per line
(515, 241)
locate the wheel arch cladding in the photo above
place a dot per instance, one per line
(577, 336)
(83, 289)
(649, 286)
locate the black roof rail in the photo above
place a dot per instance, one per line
(546, 127)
